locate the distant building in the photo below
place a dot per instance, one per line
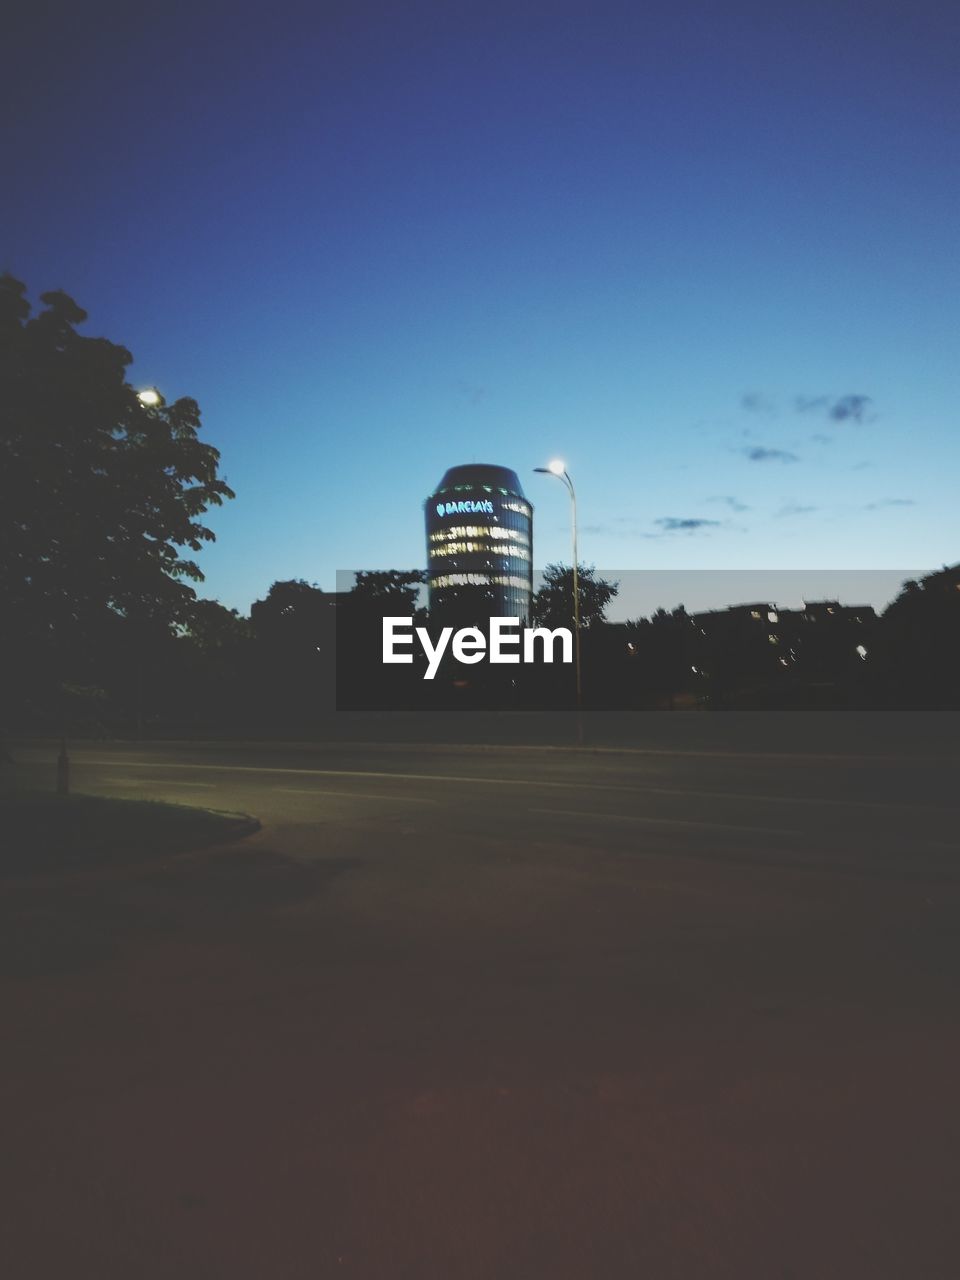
(736, 616)
(735, 642)
(823, 640)
(479, 528)
(832, 612)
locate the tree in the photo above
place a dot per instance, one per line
(212, 628)
(659, 648)
(295, 632)
(211, 667)
(919, 638)
(394, 590)
(292, 617)
(101, 496)
(553, 603)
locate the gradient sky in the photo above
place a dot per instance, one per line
(705, 252)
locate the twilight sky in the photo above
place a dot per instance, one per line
(708, 253)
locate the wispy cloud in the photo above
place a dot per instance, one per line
(890, 502)
(758, 453)
(679, 524)
(733, 503)
(852, 407)
(795, 509)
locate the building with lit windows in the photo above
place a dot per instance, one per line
(479, 547)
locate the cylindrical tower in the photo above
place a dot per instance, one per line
(479, 547)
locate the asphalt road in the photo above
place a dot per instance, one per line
(469, 1012)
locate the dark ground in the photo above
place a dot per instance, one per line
(464, 1012)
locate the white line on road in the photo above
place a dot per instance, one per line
(570, 784)
(351, 795)
(666, 822)
(140, 782)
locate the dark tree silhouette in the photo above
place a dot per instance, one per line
(919, 641)
(391, 591)
(553, 603)
(212, 628)
(294, 631)
(291, 617)
(659, 656)
(100, 495)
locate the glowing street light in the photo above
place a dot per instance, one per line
(558, 468)
(150, 397)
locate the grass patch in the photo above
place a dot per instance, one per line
(43, 834)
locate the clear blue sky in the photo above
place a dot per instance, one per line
(707, 253)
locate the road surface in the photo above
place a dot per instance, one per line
(460, 1012)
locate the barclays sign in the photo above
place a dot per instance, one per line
(468, 507)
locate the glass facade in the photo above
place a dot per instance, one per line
(479, 547)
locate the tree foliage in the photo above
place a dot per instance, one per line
(101, 497)
(394, 591)
(291, 616)
(553, 603)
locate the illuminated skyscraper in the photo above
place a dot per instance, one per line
(479, 546)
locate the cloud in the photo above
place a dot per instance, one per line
(756, 402)
(795, 509)
(733, 503)
(890, 502)
(677, 524)
(757, 453)
(852, 407)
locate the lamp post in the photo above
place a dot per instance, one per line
(558, 469)
(150, 398)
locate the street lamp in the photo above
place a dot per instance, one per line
(558, 468)
(150, 397)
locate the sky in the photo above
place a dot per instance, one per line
(706, 253)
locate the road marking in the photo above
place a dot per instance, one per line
(566, 785)
(139, 782)
(764, 755)
(667, 822)
(351, 795)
